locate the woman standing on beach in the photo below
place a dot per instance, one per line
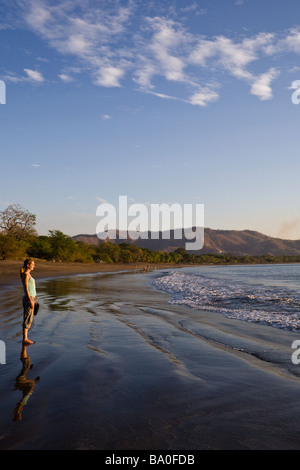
(29, 298)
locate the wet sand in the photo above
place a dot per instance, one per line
(121, 369)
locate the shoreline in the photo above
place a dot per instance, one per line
(9, 269)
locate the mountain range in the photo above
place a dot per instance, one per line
(235, 242)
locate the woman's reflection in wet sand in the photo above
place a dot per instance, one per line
(26, 386)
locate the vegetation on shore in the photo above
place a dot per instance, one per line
(18, 239)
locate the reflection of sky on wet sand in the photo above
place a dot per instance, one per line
(60, 293)
(60, 330)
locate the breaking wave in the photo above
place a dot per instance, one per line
(276, 306)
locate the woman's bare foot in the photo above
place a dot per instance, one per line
(27, 341)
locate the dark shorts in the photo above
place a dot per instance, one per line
(28, 312)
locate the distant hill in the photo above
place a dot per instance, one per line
(235, 242)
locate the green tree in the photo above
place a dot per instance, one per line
(63, 247)
(11, 248)
(41, 248)
(82, 253)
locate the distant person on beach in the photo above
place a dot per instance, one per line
(29, 298)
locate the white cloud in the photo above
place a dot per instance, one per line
(144, 74)
(203, 97)
(224, 53)
(11, 77)
(34, 75)
(87, 34)
(109, 76)
(194, 7)
(31, 76)
(235, 57)
(66, 78)
(37, 15)
(289, 43)
(166, 38)
(106, 117)
(171, 51)
(262, 85)
(78, 44)
(294, 68)
(166, 97)
(204, 49)
(158, 52)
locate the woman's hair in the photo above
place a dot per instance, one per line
(25, 265)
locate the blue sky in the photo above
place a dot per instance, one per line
(163, 101)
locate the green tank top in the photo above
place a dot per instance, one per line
(31, 287)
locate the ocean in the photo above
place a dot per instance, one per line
(264, 294)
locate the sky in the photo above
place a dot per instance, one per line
(186, 102)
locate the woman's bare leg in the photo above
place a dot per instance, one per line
(25, 338)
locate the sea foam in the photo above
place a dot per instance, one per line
(272, 306)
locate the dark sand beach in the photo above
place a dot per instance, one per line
(9, 269)
(115, 367)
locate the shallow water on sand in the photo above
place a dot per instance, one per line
(115, 366)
